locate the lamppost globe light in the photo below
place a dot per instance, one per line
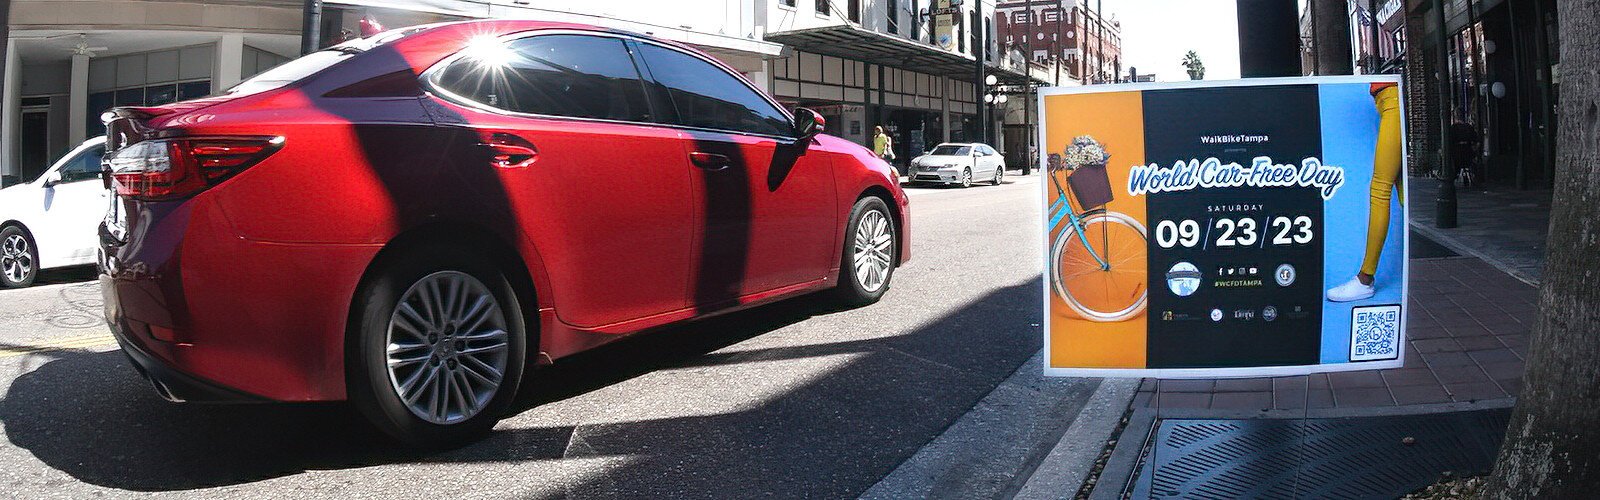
(991, 80)
(988, 98)
(1001, 99)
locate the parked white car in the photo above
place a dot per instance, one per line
(959, 163)
(51, 221)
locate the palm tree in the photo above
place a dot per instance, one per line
(1192, 64)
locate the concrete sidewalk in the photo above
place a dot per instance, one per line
(1503, 226)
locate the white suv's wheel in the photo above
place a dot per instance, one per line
(19, 260)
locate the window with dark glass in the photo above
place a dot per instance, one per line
(786, 3)
(709, 97)
(893, 7)
(822, 7)
(86, 166)
(559, 75)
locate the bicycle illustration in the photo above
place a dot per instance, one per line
(1098, 261)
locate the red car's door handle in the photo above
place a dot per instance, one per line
(510, 155)
(710, 161)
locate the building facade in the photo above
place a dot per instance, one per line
(1087, 45)
(1501, 62)
(67, 62)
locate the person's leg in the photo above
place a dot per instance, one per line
(1385, 174)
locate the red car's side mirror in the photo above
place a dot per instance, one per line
(807, 123)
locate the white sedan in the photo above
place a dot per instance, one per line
(959, 163)
(50, 222)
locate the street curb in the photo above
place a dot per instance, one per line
(1068, 465)
(1136, 436)
(1125, 457)
(994, 446)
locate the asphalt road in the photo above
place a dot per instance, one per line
(789, 400)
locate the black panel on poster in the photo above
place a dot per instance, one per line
(1280, 121)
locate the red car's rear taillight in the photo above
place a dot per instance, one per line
(176, 168)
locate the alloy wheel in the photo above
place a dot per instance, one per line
(16, 260)
(966, 178)
(999, 175)
(871, 257)
(447, 347)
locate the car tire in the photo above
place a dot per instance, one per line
(999, 175)
(19, 258)
(853, 290)
(465, 279)
(966, 178)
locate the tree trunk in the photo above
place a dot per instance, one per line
(1552, 447)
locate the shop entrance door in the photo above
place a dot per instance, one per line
(33, 148)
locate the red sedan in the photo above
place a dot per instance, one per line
(406, 221)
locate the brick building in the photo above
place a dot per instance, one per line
(1087, 44)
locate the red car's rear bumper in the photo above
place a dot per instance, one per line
(237, 318)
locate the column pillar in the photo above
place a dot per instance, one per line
(9, 101)
(78, 101)
(944, 107)
(229, 68)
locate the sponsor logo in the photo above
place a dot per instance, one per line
(1284, 275)
(1183, 279)
(1216, 315)
(1269, 313)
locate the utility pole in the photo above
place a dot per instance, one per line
(1372, 14)
(979, 51)
(1100, 39)
(311, 27)
(1027, 92)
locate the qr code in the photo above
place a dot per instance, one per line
(1375, 333)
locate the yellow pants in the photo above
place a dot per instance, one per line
(1385, 176)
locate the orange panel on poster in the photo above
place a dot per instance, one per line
(1115, 120)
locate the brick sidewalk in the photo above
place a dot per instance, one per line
(1467, 335)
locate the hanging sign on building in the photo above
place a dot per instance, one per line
(944, 15)
(1217, 229)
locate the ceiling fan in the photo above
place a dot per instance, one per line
(83, 48)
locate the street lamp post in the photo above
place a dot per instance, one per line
(311, 27)
(996, 98)
(1445, 205)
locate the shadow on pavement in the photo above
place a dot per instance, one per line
(90, 415)
(72, 274)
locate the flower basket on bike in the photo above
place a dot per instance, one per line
(1090, 185)
(1085, 161)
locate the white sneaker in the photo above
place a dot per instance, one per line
(1351, 290)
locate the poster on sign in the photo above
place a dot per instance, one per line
(1242, 228)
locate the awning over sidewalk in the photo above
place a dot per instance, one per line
(858, 44)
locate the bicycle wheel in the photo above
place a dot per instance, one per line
(1115, 293)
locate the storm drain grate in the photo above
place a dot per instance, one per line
(1363, 457)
